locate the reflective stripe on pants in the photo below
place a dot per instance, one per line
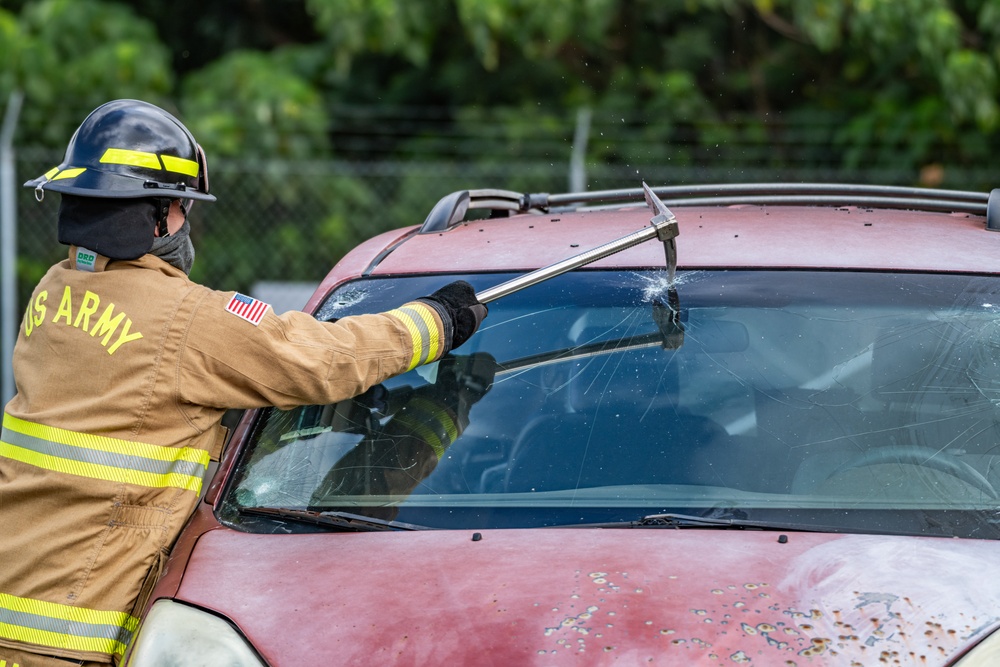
(64, 627)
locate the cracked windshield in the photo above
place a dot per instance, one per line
(823, 400)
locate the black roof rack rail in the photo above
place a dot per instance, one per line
(771, 191)
(938, 205)
(451, 209)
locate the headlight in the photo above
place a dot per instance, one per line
(175, 635)
(984, 654)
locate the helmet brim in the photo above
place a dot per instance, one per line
(107, 185)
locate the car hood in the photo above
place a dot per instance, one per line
(598, 596)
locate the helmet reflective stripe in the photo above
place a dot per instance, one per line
(65, 627)
(133, 158)
(102, 458)
(68, 173)
(172, 163)
(180, 165)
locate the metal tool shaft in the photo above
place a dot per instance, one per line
(584, 258)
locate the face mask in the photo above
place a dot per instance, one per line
(176, 249)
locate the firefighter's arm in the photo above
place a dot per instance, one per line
(293, 359)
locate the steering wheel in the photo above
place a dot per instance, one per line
(924, 457)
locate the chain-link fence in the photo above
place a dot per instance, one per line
(282, 221)
(290, 221)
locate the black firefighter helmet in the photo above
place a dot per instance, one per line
(124, 150)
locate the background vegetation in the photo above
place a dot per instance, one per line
(328, 121)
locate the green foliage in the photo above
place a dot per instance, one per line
(988, 19)
(538, 30)
(10, 47)
(821, 21)
(891, 132)
(680, 69)
(73, 55)
(300, 222)
(969, 83)
(391, 27)
(248, 104)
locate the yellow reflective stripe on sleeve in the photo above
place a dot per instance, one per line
(441, 416)
(103, 458)
(418, 333)
(61, 626)
(425, 334)
(423, 433)
(180, 165)
(131, 158)
(429, 422)
(69, 173)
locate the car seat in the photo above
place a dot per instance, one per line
(621, 426)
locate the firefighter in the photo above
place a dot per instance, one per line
(124, 368)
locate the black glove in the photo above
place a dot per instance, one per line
(468, 376)
(457, 304)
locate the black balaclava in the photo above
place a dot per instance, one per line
(115, 228)
(123, 228)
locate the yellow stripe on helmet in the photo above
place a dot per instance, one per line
(68, 173)
(145, 160)
(180, 165)
(131, 158)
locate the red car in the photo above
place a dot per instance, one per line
(787, 452)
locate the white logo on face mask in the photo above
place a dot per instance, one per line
(85, 259)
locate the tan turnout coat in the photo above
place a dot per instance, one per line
(123, 374)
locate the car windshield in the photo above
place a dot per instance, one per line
(834, 401)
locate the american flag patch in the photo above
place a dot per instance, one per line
(250, 309)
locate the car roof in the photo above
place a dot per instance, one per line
(745, 231)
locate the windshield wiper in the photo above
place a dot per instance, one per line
(688, 521)
(691, 521)
(333, 520)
